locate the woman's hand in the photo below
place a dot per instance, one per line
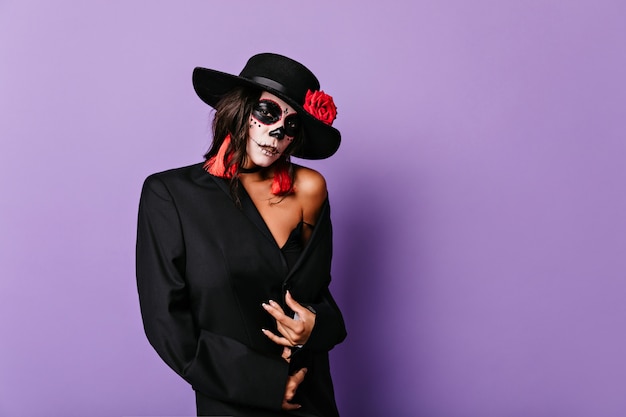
(286, 355)
(293, 381)
(295, 332)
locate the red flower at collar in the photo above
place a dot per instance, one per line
(321, 106)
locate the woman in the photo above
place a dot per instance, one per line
(233, 254)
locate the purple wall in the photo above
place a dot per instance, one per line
(478, 197)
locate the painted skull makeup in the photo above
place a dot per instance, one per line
(272, 121)
(269, 112)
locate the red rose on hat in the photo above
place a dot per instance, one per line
(321, 106)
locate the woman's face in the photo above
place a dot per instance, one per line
(273, 126)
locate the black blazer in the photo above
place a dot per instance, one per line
(204, 266)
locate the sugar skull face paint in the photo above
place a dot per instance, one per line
(273, 126)
(268, 112)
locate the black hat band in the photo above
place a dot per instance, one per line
(271, 84)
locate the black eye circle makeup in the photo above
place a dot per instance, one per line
(268, 112)
(292, 125)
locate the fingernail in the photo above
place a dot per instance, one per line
(265, 306)
(272, 302)
(263, 330)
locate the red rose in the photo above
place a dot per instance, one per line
(321, 106)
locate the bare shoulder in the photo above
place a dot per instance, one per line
(309, 183)
(310, 190)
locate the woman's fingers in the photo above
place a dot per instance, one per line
(294, 305)
(287, 354)
(295, 331)
(285, 324)
(290, 329)
(275, 310)
(293, 381)
(276, 339)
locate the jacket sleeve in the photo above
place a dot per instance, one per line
(329, 329)
(219, 367)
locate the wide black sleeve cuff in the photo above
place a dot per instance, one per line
(329, 329)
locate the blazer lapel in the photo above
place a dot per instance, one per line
(247, 206)
(250, 210)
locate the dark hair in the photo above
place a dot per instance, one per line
(232, 114)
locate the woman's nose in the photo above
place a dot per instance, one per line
(278, 133)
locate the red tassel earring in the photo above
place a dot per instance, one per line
(215, 165)
(282, 184)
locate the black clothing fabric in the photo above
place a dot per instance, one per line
(204, 266)
(292, 249)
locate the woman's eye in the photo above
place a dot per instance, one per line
(267, 112)
(292, 125)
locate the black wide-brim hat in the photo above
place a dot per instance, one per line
(283, 77)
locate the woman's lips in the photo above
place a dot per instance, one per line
(267, 149)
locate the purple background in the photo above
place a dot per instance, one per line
(478, 196)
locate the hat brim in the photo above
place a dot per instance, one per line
(321, 140)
